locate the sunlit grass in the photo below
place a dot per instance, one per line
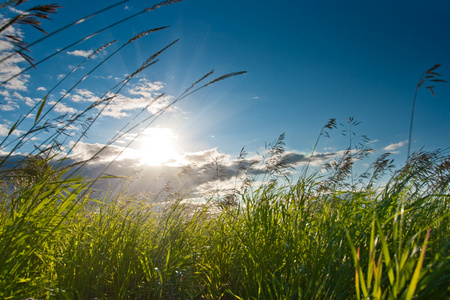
(289, 242)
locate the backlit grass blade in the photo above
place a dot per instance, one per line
(415, 279)
(359, 276)
(386, 254)
(13, 127)
(38, 114)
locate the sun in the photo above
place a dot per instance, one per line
(157, 147)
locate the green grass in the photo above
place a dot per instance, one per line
(283, 242)
(323, 236)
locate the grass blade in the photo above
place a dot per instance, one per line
(38, 114)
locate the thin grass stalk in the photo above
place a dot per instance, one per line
(330, 125)
(137, 125)
(152, 118)
(428, 76)
(50, 91)
(86, 38)
(164, 109)
(83, 78)
(149, 62)
(109, 99)
(81, 20)
(142, 34)
(11, 2)
(40, 212)
(408, 153)
(73, 87)
(134, 38)
(32, 18)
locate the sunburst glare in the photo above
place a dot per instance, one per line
(158, 146)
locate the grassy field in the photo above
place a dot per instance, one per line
(328, 235)
(298, 241)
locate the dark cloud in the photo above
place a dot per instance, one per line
(294, 159)
(84, 151)
(204, 157)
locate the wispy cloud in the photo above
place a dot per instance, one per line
(15, 10)
(145, 93)
(145, 88)
(83, 95)
(61, 108)
(11, 100)
(10, 106)
(82, 53)
(28, 101)
(394, 146)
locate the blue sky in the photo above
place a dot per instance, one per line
(307, 62)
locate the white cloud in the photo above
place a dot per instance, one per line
(201, 158)
(12, 99)
(28, 101)
(145, 88)
(139, 96)
(394, 146)
(10, 67)
(70, 127)
(146, 93)
(41, 88)
(4, 130)
(84, 151)
(15, 10)
(82, 53)
(9, 107)
(83, 95)
(61, 108)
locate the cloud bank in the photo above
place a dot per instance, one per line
(201, 174)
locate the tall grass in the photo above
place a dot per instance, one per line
(323, 236)
(285, 242)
